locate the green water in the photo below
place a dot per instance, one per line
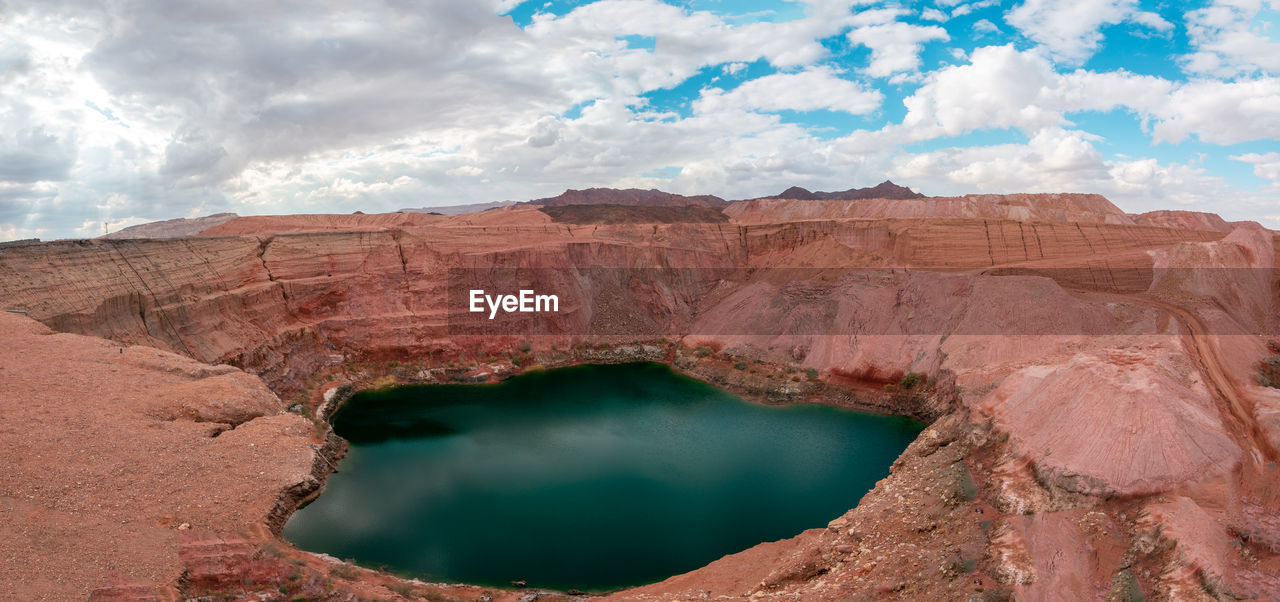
(594, 477)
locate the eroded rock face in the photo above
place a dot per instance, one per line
(1079, 379)
(96, 484)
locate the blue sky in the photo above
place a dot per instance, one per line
(140, 111)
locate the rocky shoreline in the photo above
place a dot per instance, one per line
(758, 385)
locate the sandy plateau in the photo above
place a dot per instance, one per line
(1097, 430)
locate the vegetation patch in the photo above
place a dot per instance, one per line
(1269, 368)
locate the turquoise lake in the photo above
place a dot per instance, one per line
(592, 477)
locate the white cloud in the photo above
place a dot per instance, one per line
(503, 7)
(1218, 112)
(933, 14)
(965, 9)
(33, 154)
(689, 40)
(895, 46)
(128, 111)
(1070, 31)
(1053, 158)
(1059, 160)
(808, 90)
(1151, 20)
(983, 27)
(1265, 166)
(256, 108)
(465, 170)
(1229, 38)
(999, 88)
(1004, 88)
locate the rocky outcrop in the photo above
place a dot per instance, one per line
(99, 485)
(883, 190)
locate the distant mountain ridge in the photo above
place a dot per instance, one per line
(459, 209)
(883, 190)
(172, 228)
(633, 197)
(613, 205)
(610, 213)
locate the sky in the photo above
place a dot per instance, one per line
(125, 111)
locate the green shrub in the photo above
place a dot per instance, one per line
(404, 589)
(740, 366)
(703, 351)
(525, 347)
(966, 489)
(343, 571)
(910, 381)
(811, 373)
(272, 550)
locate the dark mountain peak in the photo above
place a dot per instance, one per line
(795, 192)
(883, 190)
(633, 197)
(888, 190)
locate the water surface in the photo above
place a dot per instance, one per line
(593, 477)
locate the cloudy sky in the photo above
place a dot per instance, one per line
(126, 111)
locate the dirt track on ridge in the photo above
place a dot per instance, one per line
(1233, 405)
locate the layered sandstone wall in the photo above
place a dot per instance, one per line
(1084, 208)
(280, 304)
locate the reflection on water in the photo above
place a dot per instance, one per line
(592, 477)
